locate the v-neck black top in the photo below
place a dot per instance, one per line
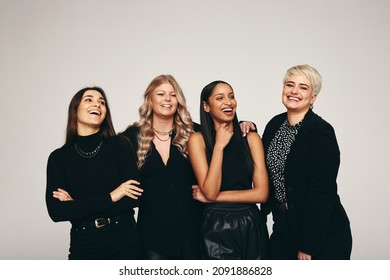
(168, 215)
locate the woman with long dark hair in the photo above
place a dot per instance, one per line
(232, 179)
(92, 181)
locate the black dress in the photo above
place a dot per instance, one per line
(101, 229)
(234, 230)
(168, 218)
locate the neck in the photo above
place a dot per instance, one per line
(295, 117)
(85, 131)
(218, 124)
(163, 125)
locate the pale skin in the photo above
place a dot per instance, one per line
(222, 107)
(298, 97)
(164, 104)
(90, 115)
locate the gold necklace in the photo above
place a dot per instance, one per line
(162, 132)
(163, 140)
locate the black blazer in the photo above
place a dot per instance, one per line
(314, 209)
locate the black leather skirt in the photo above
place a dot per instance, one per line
(234, 231)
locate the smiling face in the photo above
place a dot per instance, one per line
(91, 112)
(221, 104)
(298, 94)
(164, 101)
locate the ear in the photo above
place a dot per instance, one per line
(206, 107)
(313, 98)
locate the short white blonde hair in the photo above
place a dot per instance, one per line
(309, 72)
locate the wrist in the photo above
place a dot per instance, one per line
(218, 148)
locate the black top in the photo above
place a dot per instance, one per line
(90, 179)
(235, 174)
(168, 215)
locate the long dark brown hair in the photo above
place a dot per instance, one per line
(106, 128)
(208, 129)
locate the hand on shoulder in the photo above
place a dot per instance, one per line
(253, 136)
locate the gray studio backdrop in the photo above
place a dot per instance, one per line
(51, 49)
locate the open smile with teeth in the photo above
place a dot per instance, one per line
(95, 112)
(166, 106)
(227, 110)
(294, 98)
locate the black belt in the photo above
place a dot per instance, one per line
(280, 207)
(102, 222)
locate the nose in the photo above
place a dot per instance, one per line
(295, 89)
(228, 101)
(167, 97)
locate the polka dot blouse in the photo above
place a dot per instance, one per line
(277, 154)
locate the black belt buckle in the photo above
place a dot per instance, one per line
(101, 222)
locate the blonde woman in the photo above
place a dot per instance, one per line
(303, 158)
(169, 218)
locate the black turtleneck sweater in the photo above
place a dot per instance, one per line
(89, 181)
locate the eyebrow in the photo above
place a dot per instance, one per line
(302, 84)
(89, 95)
(164, 91)
(221, 93)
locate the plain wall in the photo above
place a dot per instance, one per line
(51, 49)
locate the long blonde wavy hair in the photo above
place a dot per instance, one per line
(182, 121)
